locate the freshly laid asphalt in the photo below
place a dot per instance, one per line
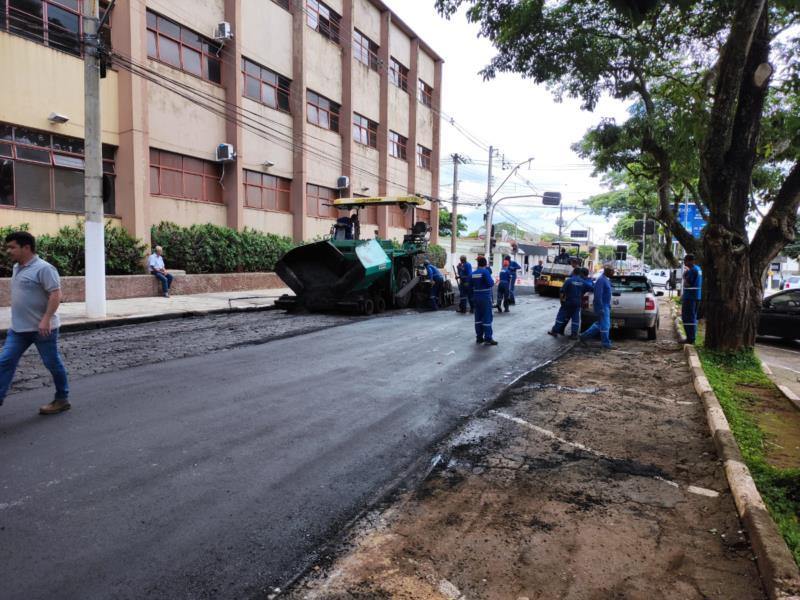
(219, 476)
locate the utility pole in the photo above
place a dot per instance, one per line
(95, 280)
(454, 215)
(488, 217)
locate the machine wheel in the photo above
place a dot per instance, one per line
(401, 280)
(369, 307)
(380, 304)
(652, 332)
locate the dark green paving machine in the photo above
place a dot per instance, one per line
(346, 273)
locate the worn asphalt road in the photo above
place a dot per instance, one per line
(220, 475)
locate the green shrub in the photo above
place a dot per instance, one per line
(6, 266)
(65, 250)
(215, 249)
(437, 255)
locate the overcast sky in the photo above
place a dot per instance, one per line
(512, 114)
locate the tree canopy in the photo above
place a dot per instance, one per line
(446, 222)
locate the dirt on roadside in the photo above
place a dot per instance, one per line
(592, 478)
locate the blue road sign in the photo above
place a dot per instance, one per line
(691, 219)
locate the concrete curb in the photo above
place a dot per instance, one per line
(149, 318)
(785, 390)
(779, 572)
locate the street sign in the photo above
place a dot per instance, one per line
(621, 252)
(579, 233)
(551, 198)
(692, 220)
(639, 225)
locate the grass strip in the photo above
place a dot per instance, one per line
(780, 488)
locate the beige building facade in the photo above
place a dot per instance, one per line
(306, 93)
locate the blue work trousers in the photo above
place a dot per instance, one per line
(166, 281)
(512, 286)
(483, 315)
(436, 286)
(503, 295)
(567, 313)
(464, 297)
(15, 346)
(601, 327)
(689, 317)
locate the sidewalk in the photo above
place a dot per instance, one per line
(133, 310)
(594, 477)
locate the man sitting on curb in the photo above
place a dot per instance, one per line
(156, 266)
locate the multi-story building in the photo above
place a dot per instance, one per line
(306, 92)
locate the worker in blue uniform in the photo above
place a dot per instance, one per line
(690, 298)
(537, 270)
(482, 283)
(504, 287)
(514, 267)
(601, 304)
(464, 272)
(571, 295)
(436, 283)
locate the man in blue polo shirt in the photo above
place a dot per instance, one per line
(35, 296)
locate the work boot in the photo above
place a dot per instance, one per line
(56, 406)
(490, 343)
(506, 309)
(551, 332)
(478, 340)
(574, 337)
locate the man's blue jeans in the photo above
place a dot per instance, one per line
(166, 281)
(14, 348)
(601, 327)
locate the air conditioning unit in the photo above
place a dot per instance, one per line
(225, 153)
(343, 182)
(223, 32)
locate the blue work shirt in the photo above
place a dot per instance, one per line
(537, 271)
(505, 275)
(464, 273)
(602, 293)
(482, 281)
(574, 288)
(692, 283)
(433, 273)
(514, 266)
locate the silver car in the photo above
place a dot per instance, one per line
(633, 305)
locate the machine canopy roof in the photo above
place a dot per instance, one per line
(378, 201)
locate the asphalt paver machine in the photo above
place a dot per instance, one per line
(558, 268)
(349, 274)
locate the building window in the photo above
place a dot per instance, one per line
(320, 17)
(182, 48)
(265, 86)
(397, 145)
(267, 192)
(54, 23)
(285, 4)
(398, 74)
(425, 93)
(42, 171)
(322, 112)
(365, 131)
(424, 157)
(320, 202)
(365, 50)
(179, 176)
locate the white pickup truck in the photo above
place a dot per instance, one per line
(633, 305)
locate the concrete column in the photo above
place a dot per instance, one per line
(298, 108)
(436, 150)
(413, 77)
(129, 37)
(383, 125)
(346, 114)
(233, 192)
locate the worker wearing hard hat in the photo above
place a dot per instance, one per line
(436, 283)
(482, 283)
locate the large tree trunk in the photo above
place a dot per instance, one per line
(731, 294)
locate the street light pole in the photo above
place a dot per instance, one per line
(490, 206)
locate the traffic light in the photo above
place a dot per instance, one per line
(641, 227)
(621, 252)
(493, 241)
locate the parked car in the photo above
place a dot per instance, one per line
(633, 305)
(791, 282)
(659, 277)
(780, 315)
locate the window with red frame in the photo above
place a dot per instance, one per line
(322, 112)
(365, 50)
(398, 74)
(320, 201)
(54, 23)
(185, 177)
(323, 19)
(265, 86)
(398, 145)
(424, 157)
(44, 171)
(365, 131)
(182, 48)
(267, 192)
(425, 93)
